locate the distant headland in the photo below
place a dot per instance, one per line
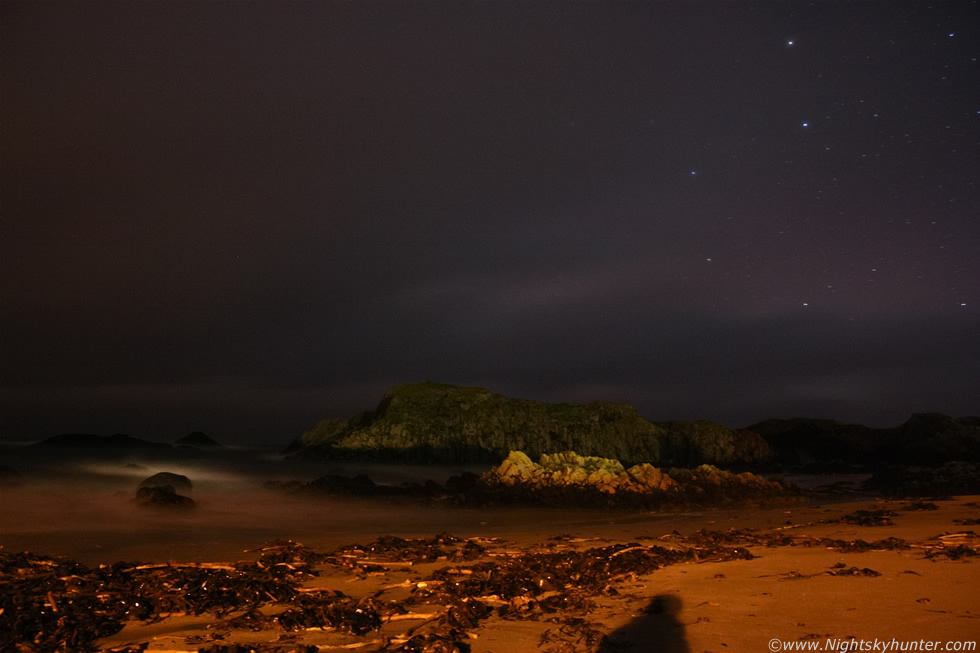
(436, 422)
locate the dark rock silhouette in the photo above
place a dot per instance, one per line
(89, 442)
(932, 438)
(174, 481)
(433, 422)
(657, 630)
(924, 439)
(198, 440)
(162, 496)
(952, 478)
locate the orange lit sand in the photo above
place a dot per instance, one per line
(719, 606)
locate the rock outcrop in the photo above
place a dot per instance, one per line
(569, 480)
(431, 422)
(568, 474)
(164, 479)
(162, 496)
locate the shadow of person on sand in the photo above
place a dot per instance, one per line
(657, 630)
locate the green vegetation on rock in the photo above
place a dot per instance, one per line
(435, 422)
(568, 476)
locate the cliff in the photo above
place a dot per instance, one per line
(435, 422)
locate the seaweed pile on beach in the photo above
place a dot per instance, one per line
(51, 604)
(424, 595)
(55, 604)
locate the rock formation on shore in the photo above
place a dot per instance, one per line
(162, 496)
(433, 422)
(176, 481)
(569, 480)
(160, 491)
(570, 475)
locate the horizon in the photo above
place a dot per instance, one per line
(161, 437)
(244, 218)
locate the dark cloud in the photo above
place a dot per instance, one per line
(243, 219)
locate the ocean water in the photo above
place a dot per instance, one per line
(86, 509)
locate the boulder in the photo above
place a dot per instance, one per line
(517, 467)
(162, 496)
(649, 477)
(175, 481)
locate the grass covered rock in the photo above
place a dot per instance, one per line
(433, 422)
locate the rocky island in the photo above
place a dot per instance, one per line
(435, 422)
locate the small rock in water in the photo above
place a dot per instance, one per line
(175, 481)
(162, 496)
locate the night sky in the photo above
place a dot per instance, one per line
(242, 217)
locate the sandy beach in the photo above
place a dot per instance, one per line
(799, 583)
(785, 593)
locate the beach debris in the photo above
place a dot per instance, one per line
(957, 552)
(448, 588)
(954, 546)
(875, 517)
(54, 604)
(572, 635)
(841, 569)
(919, 505)
(859, 546)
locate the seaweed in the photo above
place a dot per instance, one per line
(877, 517)
(840, 569)
(50, 604)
